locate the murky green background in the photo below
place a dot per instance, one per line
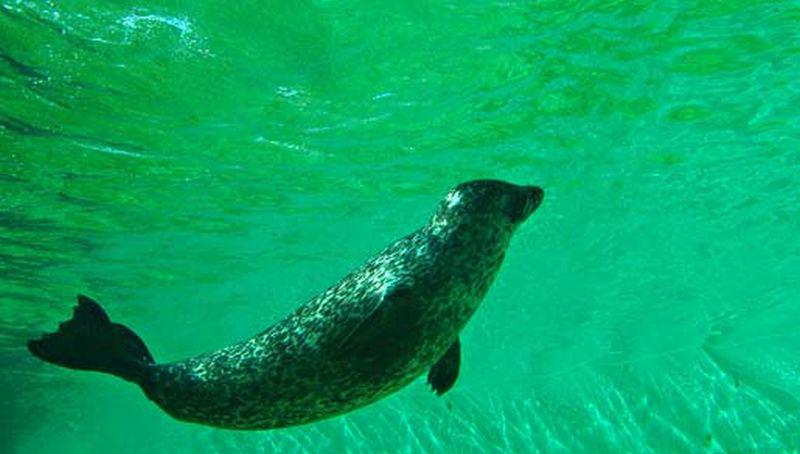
(202, 168)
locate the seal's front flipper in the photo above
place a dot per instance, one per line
(444, 373)
(386, 336)
(91, 341)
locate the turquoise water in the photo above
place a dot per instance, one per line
(202, 168)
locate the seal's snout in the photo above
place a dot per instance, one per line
(533, 198)
(490, 197)
(536, 195)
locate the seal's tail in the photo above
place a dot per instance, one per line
(91, 341)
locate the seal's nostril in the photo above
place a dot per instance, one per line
(536, 194)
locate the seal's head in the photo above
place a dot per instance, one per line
(489, 201)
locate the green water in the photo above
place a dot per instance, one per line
(202, 168)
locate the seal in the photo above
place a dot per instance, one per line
(369, 335)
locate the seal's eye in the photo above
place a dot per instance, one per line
(514, 207)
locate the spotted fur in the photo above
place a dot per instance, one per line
(366, 337)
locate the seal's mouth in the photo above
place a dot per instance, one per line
(533, 198)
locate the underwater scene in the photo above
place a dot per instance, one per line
(203, 168)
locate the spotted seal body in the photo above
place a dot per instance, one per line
(366, 337)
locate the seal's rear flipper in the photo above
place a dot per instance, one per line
(444, 373)
(91, 341)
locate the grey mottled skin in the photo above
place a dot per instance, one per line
(364, 338)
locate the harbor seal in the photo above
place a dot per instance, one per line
(369, 335)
